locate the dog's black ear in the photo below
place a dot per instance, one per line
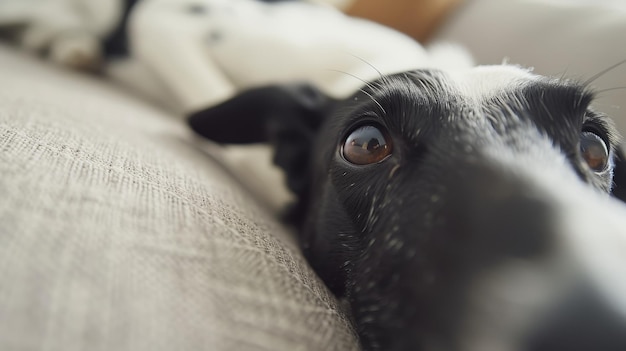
(244, 118)
(287, 116)
(619, 174)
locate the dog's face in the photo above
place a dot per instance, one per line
(456, 211)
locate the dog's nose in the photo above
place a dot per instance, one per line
(510, 217)
(585, 321)
(500, 214)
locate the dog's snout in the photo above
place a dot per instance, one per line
(583, 321)
(551, 229)
(501, 213)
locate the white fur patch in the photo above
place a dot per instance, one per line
(482, 83)
(210, 54)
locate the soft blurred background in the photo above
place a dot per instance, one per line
(571, 38)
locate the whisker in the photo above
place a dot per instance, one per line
(610, 89)
(603, 72)
(564, 74)
(368, 84)
(375, 101)
(380, 74)
(545, 107)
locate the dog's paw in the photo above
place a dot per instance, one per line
(81, 51)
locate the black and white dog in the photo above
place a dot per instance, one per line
(455, 208)
(460, 210)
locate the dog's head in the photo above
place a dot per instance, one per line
(455, 211)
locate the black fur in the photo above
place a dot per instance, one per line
(290, 122)
(619, 175)
(403, 239)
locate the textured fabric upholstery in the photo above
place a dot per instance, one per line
(117, 233)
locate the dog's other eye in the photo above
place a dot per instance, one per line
(366, 145)
(594, 151)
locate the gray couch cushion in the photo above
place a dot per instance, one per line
(116, 233)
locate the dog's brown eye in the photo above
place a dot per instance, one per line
(594, 151)
(367, 145)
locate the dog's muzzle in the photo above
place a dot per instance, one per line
(546, 255)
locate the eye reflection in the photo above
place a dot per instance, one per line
(594, 151)
(367, 145)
